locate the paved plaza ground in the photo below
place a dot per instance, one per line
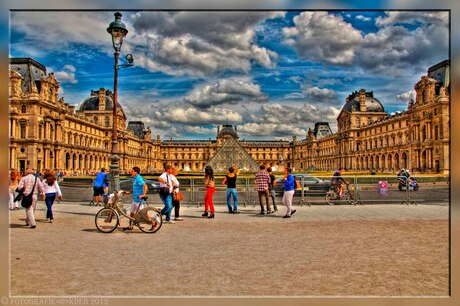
(370, 250)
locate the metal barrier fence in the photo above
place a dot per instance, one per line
(371, 190)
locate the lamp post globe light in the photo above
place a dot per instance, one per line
(118, 31)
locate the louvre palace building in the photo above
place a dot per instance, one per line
(48, 133)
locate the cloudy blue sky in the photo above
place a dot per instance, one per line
(271, 73)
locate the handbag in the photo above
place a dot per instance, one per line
(178, 196)
(27, 200)
(164, 191)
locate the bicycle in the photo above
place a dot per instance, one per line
(148, 219)
(351, 196)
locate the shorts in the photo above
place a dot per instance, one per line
(98, 191)
(136, 207)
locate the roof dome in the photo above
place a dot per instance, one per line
(92, 103)
(372, 104)
(227, 130)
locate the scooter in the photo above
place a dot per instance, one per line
(402, 183)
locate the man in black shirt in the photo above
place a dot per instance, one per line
(272, 187)
(230, 181)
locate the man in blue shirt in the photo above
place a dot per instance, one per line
(99, 183)
(289, 189)
(139, 192)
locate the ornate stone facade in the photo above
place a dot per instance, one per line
(48, 133)
(368, 139)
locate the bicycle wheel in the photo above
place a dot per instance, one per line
(106, 220)
(331, 198)
(352, 198)
(149, 220)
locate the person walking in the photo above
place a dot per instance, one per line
(230, 181)
(51, 189)
(210, 188)
(31, 185)
(272, 187)
(99, 183)
(175, 202)
(289, 189)
(15, 176)
(139, 192)
(263, 182)
(167, 187)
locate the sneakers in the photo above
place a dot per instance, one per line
(236, 211)
(128, 228)
(262, 213)
(51, 220)
(293, 212)
(178, 219)
(33, 226)
(170, 222)
(286, 216)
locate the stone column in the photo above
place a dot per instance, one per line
(13, 156)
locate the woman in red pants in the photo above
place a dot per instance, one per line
(209, 183)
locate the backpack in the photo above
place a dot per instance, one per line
(26, 201)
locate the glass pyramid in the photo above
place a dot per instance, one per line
(232, 154)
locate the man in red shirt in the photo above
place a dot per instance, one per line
(263, 181)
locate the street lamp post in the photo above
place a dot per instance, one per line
(118, 31)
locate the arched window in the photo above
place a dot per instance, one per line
(23, 109)
(107, 121)
(95, 119)
(358, 121)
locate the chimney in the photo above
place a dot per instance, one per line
(101, 99)
(362, 100)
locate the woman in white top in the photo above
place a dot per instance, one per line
(14, 180)
(51, 190)
(176, 204)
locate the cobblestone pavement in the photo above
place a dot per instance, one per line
(343, 250)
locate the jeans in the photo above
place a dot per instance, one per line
(167, 201)
(232, 192)
(264, 194)
(273, 195)
(176, 205)
(49, 200)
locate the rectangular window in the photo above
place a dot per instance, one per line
(23, 131)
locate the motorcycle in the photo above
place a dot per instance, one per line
(404, 181)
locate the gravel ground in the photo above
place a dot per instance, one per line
(375, 250)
